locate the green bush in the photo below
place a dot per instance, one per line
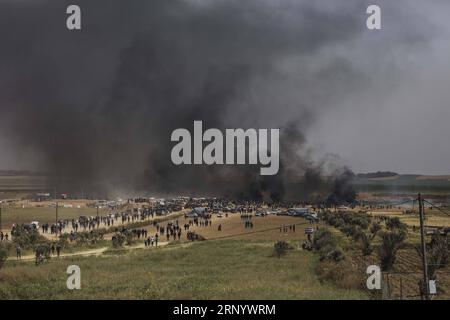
(374, 228)
(366, 244)
(326, 244)
(281, 248)
(3, 255)
(391, 242)
(394, 224)
(437, 254)
(333, 253)
(27, 239)
(89, 237)
(322, 238)
(118, 240)
(42, 253)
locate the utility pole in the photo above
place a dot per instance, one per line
(56, 212)
(0, 218)
(424, 250)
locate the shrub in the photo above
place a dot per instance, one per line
(118, 240)
(280, 248)
(391, 243)
(374, 228)
(325, 242)
(341, 274)
(89, 237)
(128, 237)
(394, 224)
(27, 238)
(437, 254)
(366, 244)
(3, 255)
(42, 253)
(338, 223)
(333, 253)
(323, 238)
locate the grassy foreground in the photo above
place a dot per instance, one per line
(225, 269)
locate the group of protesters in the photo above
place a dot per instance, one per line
(247, 218)
(52, 249)
(171, 230)
(192, 236)
(287, 228)
(55, 228)
(151, 241)
(3, 236)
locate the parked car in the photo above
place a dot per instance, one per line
(298, 212)
(260, 213)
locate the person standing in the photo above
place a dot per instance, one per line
(58, 249)
(19, 252)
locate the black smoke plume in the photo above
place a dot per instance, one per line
(343, 191)
(97, 107)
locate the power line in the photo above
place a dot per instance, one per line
(441, 210)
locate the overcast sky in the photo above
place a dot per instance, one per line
(377, 100)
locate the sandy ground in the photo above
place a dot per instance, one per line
(87, 253)
(233, 227)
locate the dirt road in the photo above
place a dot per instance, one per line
(87, 253)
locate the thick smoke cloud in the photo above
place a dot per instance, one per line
(96, 108)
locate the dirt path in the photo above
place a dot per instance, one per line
(265, 228)
(86, 253)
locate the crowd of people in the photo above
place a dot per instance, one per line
(84, 223)
(170, 231)
(53, 249)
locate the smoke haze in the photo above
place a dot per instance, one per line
(96, 107)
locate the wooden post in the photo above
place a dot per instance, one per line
(424, 250)
(401, 288)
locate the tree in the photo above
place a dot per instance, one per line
(118, 240)
(374, 228)
(437, 254)
(395, 224)
(391, 242)
(366, 241)
(42, 253)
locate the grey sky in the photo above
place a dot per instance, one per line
(379, 100)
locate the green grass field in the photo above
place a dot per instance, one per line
(222, 269)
